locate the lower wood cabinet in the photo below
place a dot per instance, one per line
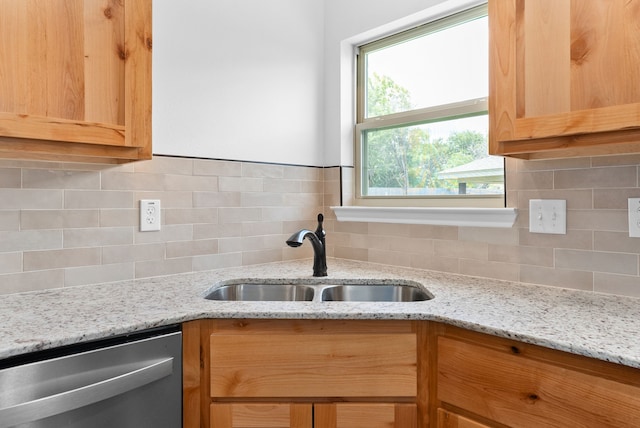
(304, 374)
(392, 374)
(261, 415)
(307, 415)
(501, 382)
(448, 419)
(365, 415)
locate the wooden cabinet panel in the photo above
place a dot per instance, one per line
(258, 373)
(261, 415)
(365, 415)
(76, 79)
(313, 365)
(451, 420)
(563, 77)
(521, 392)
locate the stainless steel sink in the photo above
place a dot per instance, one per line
(344, 290)
(373, 293)
(262, 292)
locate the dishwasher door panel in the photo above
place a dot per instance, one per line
(133, 384)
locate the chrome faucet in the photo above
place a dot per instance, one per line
(318, 243)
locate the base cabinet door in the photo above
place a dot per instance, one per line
(448, 419)
(261, 415)
(365, 415)
(303, 374)
(308, 415)
(518, 385)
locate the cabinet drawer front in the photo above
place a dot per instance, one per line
(451, 420)
(365, 415)
(521, 392)
(261, 415)
(313, 365)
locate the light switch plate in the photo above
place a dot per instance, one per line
(548, 216)
(149, 215)
(634, 217)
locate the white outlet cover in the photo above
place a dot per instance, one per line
(149, 215)
(548, 216)
(634, 217)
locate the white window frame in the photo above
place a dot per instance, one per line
(462, 109)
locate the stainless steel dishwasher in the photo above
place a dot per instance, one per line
(128, 381)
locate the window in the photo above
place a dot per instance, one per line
(422, 122)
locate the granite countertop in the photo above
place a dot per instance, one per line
(595, 325)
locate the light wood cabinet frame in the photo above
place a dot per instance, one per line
(76, 80)
(501, 382)
(370, 360)
(563, 78)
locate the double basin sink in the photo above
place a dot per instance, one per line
(328, 291)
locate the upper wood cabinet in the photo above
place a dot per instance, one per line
(75, 80)
(564, 77)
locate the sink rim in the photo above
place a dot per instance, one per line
(326, 293)
(292, 292)
(319, 285)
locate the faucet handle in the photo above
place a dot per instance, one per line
(319, 230)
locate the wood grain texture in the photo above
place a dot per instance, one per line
(561, 69)
(313, 365)
(65, 68)
(604, 53)
(191, 375)
(103, 31)
(546, 69)
(64, 58)
(56, 129)
(327, 327)
(365, 415)
(451, 420)
(521, 392)
(425, 355)
(138, 54)
(42, 58)
(261, 415)
(610, 118)
(595, 144)
(51, 150)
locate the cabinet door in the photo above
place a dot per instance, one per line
(261, 415)
(448, 419)
(508, 387)
(563, 77)
(298, 359)
(76, 79)
(365, 415)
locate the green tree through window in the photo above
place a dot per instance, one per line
(406, 157)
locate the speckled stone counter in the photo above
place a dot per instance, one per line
(595, 325)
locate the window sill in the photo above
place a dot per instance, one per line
(475, 217)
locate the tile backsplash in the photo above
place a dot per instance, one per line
(64, 224)
(596, 254)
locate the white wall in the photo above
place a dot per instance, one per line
(239, 79)
(266, 80)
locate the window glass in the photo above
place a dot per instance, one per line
(440, 67)
(422, 128)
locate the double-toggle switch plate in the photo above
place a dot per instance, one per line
(548, 216)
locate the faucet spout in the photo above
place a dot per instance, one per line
(317, 242)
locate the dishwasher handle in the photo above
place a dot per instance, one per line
(80, 397)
